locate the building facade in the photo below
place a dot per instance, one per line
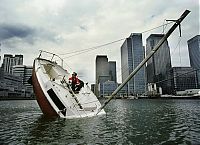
(112, 71)
(10, 86)
(132, 53)
(107, 88)
(24, 72)
(102, 71)
(194, 54)
(105, 72)
(183, 78)
(159, 64)
(124, 91)
(9, 61)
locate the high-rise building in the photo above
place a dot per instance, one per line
(24, 72)
(19, 59)
(102, 71)
(194, 54)
(9, 61)
(105, 72)
(112, 71)
(132, 53)
(102, 67)
(159, 64)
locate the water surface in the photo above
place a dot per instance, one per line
(142, 121)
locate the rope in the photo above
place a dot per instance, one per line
(78, 52)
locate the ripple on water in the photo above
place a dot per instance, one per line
(126, 122)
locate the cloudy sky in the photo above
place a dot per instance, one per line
(67, 26)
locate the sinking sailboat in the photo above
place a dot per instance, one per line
(54, 94)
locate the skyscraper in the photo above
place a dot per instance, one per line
(102, 66)
(160, 63)
(132, 53)
(18, 59)
(112, 71)
(9, 61)
(102, 71)
(194, 54)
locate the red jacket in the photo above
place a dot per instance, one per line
(74, 80)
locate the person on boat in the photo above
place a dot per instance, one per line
(76, 83)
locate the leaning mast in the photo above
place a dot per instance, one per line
(177, 23)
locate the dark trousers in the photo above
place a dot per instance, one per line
(76, 87)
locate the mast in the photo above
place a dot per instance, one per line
(0, 54)
(177, 23)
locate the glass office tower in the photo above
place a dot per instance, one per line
(132, 53)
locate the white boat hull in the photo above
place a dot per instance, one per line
(54, 94)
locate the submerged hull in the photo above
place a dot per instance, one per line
(44, 104)
(54, 94)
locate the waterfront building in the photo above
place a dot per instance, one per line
(102, 71)
(10, 86)
(105, 71)
(112, 71)
(183, 78)
(194, 54)
(107, 88)
(132, 53)
(153, 90)
(101, 81)
(124, 91)
(9, 61)
(24, 72)
(159, 64)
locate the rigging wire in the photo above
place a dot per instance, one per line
(180, 53)
(156, 27)
(78, 52)
(125, 70)
(92, 48)
(95, 47)
(176, 46)
(68, 67)
(165, 25)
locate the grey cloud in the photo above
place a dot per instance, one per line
(27, 34)
(46, 35)
(84, 28)
(8, 31)
(45, 24)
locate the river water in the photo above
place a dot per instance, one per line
(142, 121)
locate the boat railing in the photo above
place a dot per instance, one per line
(52, 57)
